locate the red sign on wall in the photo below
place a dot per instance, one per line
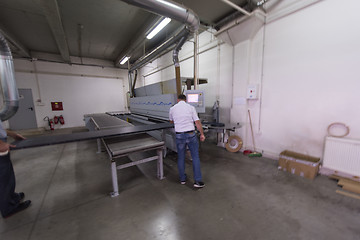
(56, 106)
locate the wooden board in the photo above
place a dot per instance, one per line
(349, 185)
(352, 195)
(337, 174)
(352, 189)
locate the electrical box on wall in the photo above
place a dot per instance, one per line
(252, 91)
(56, 106)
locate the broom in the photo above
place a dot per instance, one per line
(253, 154)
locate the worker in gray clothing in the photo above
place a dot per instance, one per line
(183, 115)
(10, 201)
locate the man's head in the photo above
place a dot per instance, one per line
(181, 97)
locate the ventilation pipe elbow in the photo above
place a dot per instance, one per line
(192, 21)
(178, 47)
(7, 81)
(130, 83)
(159, 49)
(176, 58)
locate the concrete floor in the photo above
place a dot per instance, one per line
(244, 198)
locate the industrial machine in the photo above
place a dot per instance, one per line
(152, 103)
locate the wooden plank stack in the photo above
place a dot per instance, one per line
(351, 186)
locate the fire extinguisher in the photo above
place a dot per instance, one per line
(50, 122)
(56, 119)
(61, 120)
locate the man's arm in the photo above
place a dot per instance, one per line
(170, 116)
(14, 135)
(200, 129)
(5, 147)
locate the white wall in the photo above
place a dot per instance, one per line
(308, 77)
(311, 58)
(82, 89)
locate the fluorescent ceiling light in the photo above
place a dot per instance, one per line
(124, 60)
(261, 2)
(158, 28)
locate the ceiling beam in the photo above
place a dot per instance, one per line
(51, 11)
(236, 7)
(23, 51)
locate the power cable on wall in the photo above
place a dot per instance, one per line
(39, 101)
(218, 74)
(68, 74)
(61, 62)
(262, 76)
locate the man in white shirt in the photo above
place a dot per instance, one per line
(183, 115)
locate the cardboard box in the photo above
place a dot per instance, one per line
(299, 164)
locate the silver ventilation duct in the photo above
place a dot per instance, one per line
(7, 81)
(180, 39)
(174, 11)
(177, 48)
(159, 49)
(169, 9)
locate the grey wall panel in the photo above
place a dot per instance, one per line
(140, 92)
(169, 87)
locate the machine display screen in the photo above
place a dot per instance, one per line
(193, 97)
(196, 99)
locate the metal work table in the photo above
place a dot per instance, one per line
(120, 137)
(106, 121)
(124, 146)
(74, 137)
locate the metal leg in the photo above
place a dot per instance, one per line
(164, 151)
(163, 135)
(98, 140)
(222, 138)
(114, 180)
(160, 169)
(163, 138)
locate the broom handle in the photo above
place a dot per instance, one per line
(252, 133)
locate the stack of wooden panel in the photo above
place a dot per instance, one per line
(351, 187)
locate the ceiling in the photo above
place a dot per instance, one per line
(106, 29)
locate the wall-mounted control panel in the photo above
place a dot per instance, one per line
(196, 99)
(252, 91)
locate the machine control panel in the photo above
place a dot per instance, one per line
(196, 99)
